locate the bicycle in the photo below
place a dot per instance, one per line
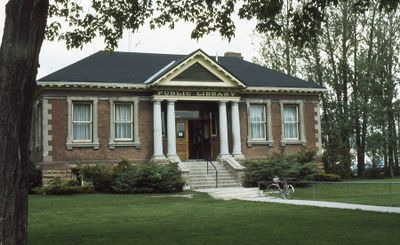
(280, 189)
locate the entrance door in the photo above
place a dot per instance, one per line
(199, 139)
(182, 139)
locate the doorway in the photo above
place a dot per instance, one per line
(196, 130)
(199, 141)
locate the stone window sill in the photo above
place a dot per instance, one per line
(250, 143)
(293, 142)
(95, 146)
(114, 144)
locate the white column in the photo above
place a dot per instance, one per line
(157, 131)
(171, 134)
(223, 130)
(237, 146)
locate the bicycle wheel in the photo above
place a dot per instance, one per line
(288, 192)
(273, 190)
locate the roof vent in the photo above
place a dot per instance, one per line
(233, 54)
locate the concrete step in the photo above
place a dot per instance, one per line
(231, 193)
(198, 187)
(210, 182)
(199, 179)
(200, 174)
(220, 178)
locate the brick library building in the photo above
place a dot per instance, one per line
(170, 108)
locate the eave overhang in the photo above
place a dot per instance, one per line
(97, 85)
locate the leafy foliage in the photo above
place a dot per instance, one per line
(306, 155)
(326, 177)
(149, 178)
(127, 178)
(101, 176)
(354, 55)
(78, 23)
(58, 186)
(294, 167)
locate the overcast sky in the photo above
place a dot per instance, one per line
(54, 55)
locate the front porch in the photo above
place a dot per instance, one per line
(194, 128)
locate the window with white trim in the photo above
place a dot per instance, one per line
(291, 122)
(82, 122)
(123, 121)
(258, 129)
(259, 123)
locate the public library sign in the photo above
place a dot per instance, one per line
(196, 93)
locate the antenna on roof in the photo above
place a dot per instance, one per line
(216, 56)
(129, 41)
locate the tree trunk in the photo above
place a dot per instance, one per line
(391, 140)
(356, 105)
(22, 39)
(365, 94)
(287, 41)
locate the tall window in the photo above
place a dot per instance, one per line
(291, 122)
(82, 122)
(257, 122)
(123, 121)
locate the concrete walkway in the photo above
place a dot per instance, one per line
(251, 194)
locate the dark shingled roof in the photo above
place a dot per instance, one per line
(136, 68)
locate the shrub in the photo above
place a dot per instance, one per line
(123, 165)
(293, 167)
(149, 178)
(126, 178)
(73, 183)
(60, 187)
(306, 155)
(125, 182)
(326, 177)
(34, 177)
(101, 176)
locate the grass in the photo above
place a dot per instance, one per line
(366, 192)
(167, 219)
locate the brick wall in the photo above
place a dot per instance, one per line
(59, 154)
(262, 151)
(59, 124)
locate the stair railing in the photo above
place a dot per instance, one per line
(216, 172)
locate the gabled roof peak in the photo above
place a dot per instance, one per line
(198, 56)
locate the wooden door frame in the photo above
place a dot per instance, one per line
(186, 139)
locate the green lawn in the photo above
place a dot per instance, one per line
(165, 219)
(355, 191)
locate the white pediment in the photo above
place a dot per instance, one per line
(198, 70)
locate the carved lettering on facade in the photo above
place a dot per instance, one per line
(196, 93)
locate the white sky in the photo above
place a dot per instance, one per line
(54, 55)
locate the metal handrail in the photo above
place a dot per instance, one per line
(216, 172)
